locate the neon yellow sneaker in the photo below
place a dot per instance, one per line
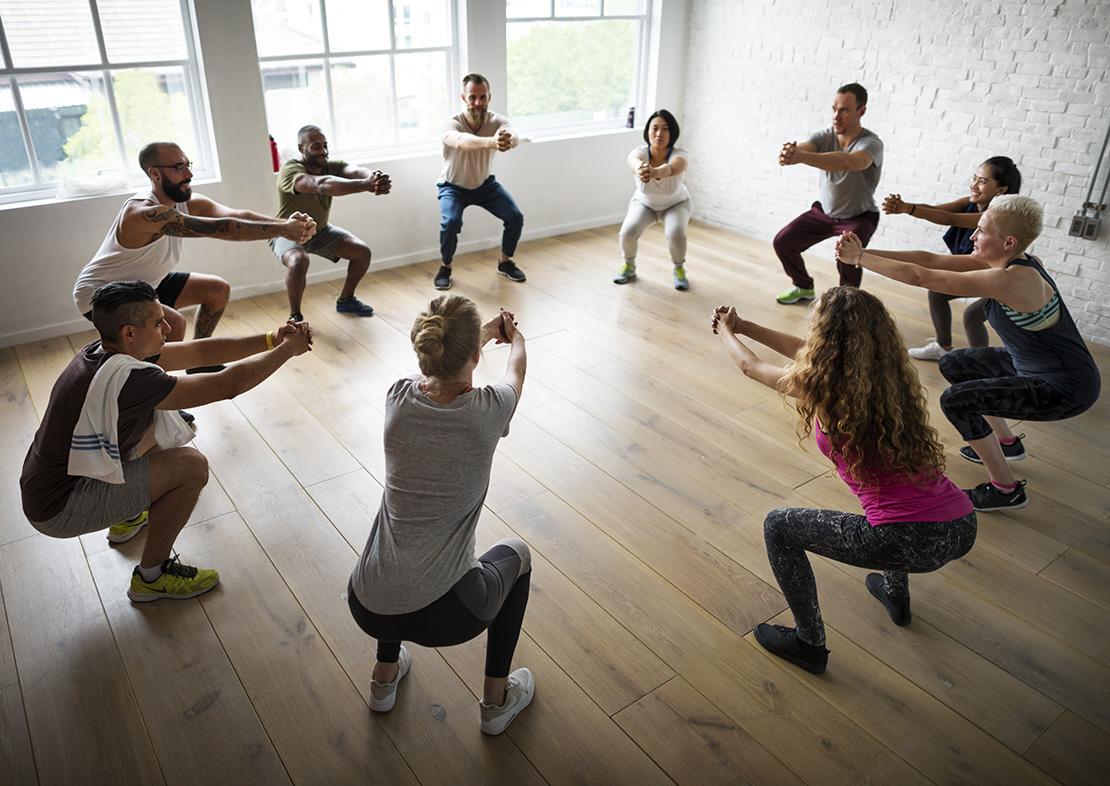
(794, 295)
(177, 581)
(627, 273)
(128, 528)
(680, 280)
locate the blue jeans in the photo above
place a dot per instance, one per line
(492, 197)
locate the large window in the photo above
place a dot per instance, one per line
(374, 74)
(575, 64)
(84, 84)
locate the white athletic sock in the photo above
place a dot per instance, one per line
(150, 574)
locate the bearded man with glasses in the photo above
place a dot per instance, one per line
(144, 243)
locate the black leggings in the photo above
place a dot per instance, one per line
(492, 596)
(975, 320)
(984, 382)
(895, 549)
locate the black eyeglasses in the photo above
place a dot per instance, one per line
(178, 168)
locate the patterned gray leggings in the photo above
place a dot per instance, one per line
(895, 549)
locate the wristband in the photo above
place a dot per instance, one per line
(913, 208)
(270, 340)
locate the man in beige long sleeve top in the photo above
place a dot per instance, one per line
(470, 139)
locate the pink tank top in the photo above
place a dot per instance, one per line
(893, 498)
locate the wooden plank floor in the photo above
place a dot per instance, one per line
(639, 467)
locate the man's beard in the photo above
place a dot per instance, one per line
(476, 117)
(178, 192)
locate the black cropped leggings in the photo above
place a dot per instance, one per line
(984, 382)
(896, 549)
(975, 320)
(492, 596)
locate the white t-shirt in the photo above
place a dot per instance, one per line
(114, 262)
(666, 192)
(470, 168)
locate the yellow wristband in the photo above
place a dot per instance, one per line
(270, 340)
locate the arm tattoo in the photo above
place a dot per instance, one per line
(226, 228)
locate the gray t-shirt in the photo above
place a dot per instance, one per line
(437, 465)
(847, 194)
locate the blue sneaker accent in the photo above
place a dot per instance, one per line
(354, 306)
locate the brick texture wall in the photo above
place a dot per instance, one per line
(950, 84)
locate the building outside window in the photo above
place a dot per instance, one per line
(575, 65)
(376, 75)
(84, 84)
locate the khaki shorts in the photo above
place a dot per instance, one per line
(322, 244)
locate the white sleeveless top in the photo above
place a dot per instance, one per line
(114, 262)
(665, 193)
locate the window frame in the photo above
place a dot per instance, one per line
(394, 148)
(643, 65)
(193, 73)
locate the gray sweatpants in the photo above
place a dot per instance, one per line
(639, 217)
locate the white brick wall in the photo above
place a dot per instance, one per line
(950, 83)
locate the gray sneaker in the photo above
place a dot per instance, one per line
(518, 695)
(383, 695)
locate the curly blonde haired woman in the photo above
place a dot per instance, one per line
(418, 578)
(855, 390)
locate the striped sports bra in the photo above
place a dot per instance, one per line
(1044, 317)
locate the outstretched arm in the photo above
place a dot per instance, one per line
(354, 180)
(949, 214)
(209, 208)
(725, 325)
(200, 389)
(144, 223)
(517, 365)
(215, 351)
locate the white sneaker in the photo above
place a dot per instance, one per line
(518, 695)
(931, 351)
(383, 695)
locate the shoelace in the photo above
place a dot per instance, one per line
(173, 567)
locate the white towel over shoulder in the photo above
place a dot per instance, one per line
(94, 449)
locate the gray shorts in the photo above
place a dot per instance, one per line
(322, 244)
(95, 505)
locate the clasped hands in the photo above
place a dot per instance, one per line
(379, 183)
(788, 156)
(299, 335)
(300, 227)
(500, 329)
(727, 318)
(503, 140)
(849, 249)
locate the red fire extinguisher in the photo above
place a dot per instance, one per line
(274, 154)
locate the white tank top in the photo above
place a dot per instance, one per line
(115, 262)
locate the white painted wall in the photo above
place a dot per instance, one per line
(561, 184)
(951, 83)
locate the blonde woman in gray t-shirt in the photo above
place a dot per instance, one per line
(418, 578)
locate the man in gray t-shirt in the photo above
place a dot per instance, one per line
(850, 159)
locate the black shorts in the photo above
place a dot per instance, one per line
(169, 288)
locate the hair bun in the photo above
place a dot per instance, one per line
(429, 336)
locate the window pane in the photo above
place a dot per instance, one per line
(153, 104)
(528, 9)
(421, 95)
(14, 169)
(572, 72)
(360, 87)
(71, 125)
(295, 96)
(358, 25)
(156, 33)
(287, 27)
(420, 23)
(577, 7)
(624, 7)
(71, 39)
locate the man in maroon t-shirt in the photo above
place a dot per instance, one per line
(159, 485)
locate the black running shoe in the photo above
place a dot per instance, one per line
(1013, 452)
(899, 612)
(510, 271)
(784, 642)
(986, 497)
(443, 277)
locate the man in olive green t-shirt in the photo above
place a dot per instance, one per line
(307, 185)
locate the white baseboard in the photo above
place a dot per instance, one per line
(428, 254)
